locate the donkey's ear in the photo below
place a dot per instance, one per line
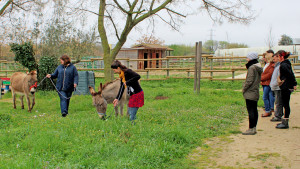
(92, 91)
(100, 88)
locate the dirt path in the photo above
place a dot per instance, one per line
(269, 148)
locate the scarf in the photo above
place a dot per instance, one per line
(122, 76)
(251, 62)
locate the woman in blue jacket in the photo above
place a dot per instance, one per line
(67, 81)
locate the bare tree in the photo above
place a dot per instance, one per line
(270, 38)
(119, 17)
(150, 40)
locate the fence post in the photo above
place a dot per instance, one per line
(147, 74)
(168, 67)
(232, 74)
(196, 68)
(211, 67)
(199, 56)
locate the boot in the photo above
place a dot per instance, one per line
(266, 114)
(284, 124)
(250, 131)
(274, 119)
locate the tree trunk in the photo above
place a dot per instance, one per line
(108, 72)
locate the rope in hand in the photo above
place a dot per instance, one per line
(56, 88)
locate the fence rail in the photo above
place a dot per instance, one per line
(177, 64)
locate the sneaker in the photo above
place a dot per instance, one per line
(250, 131)
(275, 119)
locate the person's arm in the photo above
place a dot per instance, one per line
(54, 75)
(249, 80)
(75, 77)
(120, 93)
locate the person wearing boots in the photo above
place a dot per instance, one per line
(276, 89)
(251, 90)
(266, 76)
(288, 84)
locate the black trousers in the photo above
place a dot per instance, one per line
(252, 112)
(286, 96)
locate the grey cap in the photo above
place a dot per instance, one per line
(252, 55)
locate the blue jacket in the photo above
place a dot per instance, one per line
(66, 76)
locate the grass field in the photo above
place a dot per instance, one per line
(166, 131)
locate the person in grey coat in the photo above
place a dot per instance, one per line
(251, 90)
(276, 89)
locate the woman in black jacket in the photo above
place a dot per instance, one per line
(288, 84)
(129, 79)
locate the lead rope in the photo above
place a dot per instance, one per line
(56, 88)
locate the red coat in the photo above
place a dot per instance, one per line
(267, 74)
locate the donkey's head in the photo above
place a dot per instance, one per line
(98, 101)
(31, 79)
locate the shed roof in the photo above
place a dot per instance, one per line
(151, 46)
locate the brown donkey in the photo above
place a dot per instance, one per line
(98, 101)
(24, 84)
(109, 92)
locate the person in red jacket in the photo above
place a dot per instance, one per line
(268, 95)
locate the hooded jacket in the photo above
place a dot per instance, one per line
(287, 74)
(251, 85)
(274, 83)
(66, 76)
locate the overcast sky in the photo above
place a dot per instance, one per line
(282, 15)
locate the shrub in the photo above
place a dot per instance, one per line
(47, 65)
(24, 54)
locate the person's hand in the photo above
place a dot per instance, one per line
(295, 87)
(48, 75)
(115, 102)
(75, 85)
(124, 83)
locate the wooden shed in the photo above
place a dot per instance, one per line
(145, 51)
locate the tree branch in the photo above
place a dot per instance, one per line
(114, 25)
(120, 7)
(225, 13)
(101, 27)
(167, 22)
(19, 6)
(5, 6)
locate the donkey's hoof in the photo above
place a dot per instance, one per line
(22, 107)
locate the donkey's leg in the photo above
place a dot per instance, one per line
(116, 110)
(28, 103)
(33, 101)
(14, 98)
(121, 108)
(22, 103)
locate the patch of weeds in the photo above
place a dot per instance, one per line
(260, 130)
(263, 157)
(296, 127)
(235, 132)
(278, 167)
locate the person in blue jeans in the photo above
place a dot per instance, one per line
(67, 81)
(266, 76)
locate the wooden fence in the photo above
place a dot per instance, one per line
(224, 66)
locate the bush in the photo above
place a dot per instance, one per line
(24, 54)
(47, 65)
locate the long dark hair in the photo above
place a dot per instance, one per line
(117, 64)
(283, 53)
(66, 59)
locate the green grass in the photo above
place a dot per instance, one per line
(166, 131)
